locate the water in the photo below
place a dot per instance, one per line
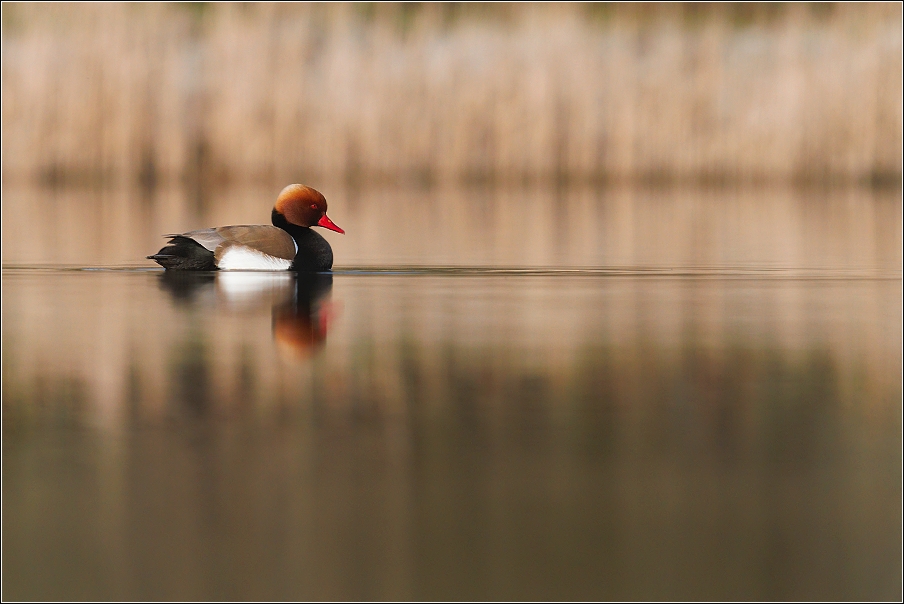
(667, 429)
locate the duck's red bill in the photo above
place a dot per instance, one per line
(328, 224)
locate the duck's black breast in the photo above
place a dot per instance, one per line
(314, 252)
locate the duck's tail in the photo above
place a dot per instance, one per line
(184, 254)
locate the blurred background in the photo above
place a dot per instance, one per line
(617, 314)
(467, 124)
(154, 94)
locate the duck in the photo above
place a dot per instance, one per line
(289, 244)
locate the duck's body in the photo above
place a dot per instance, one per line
(289, 244)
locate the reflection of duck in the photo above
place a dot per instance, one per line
(240, 291)
(187, 287)
(299, 302)
(247, 290)
(301, 325)
(289, 244)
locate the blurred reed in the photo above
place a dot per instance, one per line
(502, 93)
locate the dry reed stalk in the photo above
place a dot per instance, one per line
(282, 93)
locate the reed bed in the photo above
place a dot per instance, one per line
(504, 93)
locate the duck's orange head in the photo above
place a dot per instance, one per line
(303, 206)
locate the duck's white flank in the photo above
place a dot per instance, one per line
(241, 258)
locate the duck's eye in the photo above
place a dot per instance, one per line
(313, 206)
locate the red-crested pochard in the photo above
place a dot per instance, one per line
(289, 244)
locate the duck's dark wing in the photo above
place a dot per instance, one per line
(269, 240)
(241, 247)
(208, 238)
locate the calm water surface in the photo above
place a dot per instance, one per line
(715, 413)
(436, 435)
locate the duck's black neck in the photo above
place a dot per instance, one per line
(280, 221)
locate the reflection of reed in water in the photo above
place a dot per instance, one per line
(542, 430)
(491, 226)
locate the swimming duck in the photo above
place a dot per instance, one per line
(289, 244)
